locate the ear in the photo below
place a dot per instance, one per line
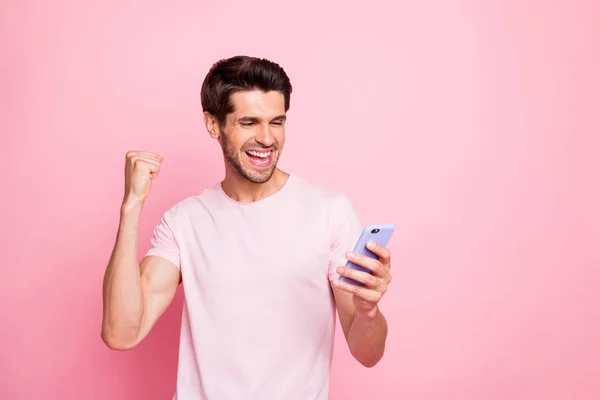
(212, 125)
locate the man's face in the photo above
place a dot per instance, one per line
(254, 134)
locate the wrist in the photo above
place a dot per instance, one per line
(370, 314)
(131, 206)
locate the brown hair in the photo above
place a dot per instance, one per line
(237, 74)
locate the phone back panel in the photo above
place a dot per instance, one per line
(380, 234)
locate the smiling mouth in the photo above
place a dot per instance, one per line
(260, 158)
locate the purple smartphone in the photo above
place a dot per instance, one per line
(379, 234)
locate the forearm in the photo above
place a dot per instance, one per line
(122, 287)
(367, 336)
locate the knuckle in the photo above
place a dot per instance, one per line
(384, 271)
(371, 280)
(384, 287)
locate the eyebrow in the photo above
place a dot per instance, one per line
(281, 117)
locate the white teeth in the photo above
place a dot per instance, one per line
(257, 154)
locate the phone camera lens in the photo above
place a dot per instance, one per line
(375, 230)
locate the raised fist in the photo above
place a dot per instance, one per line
(141, 167)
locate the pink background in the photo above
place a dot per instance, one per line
(473, 127)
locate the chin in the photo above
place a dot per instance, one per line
(258, 176)
(259, 171)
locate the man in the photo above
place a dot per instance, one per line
(259, 256)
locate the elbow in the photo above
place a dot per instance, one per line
(115, 342)
(369, 363)
(368, 360)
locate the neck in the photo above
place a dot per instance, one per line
(244, 191)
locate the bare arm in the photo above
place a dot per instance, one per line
(135, 295)
(365, 327)
(365, 333)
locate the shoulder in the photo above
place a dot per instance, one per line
(319, 192)
(191, 205)
(333, 204)
(339, 213)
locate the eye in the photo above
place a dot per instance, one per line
(246, 123)
(277, 123)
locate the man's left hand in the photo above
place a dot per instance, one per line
(375, 285)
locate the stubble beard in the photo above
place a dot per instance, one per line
(233, 157)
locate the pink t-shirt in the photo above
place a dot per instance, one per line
(259, 315)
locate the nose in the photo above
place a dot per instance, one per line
(264, 136)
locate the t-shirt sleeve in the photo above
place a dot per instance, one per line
(346, 230)
(163, 243)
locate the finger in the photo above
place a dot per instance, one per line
(148, 156)
(136, 152)
(156, 156)
(369, 263)
(365, 278)
(380, 251)
(365, 294)
(152, 166)
(149, 160)
(144, 162)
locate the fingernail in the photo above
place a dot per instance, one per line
(340, 270)
(371, 244)
(350, 254)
